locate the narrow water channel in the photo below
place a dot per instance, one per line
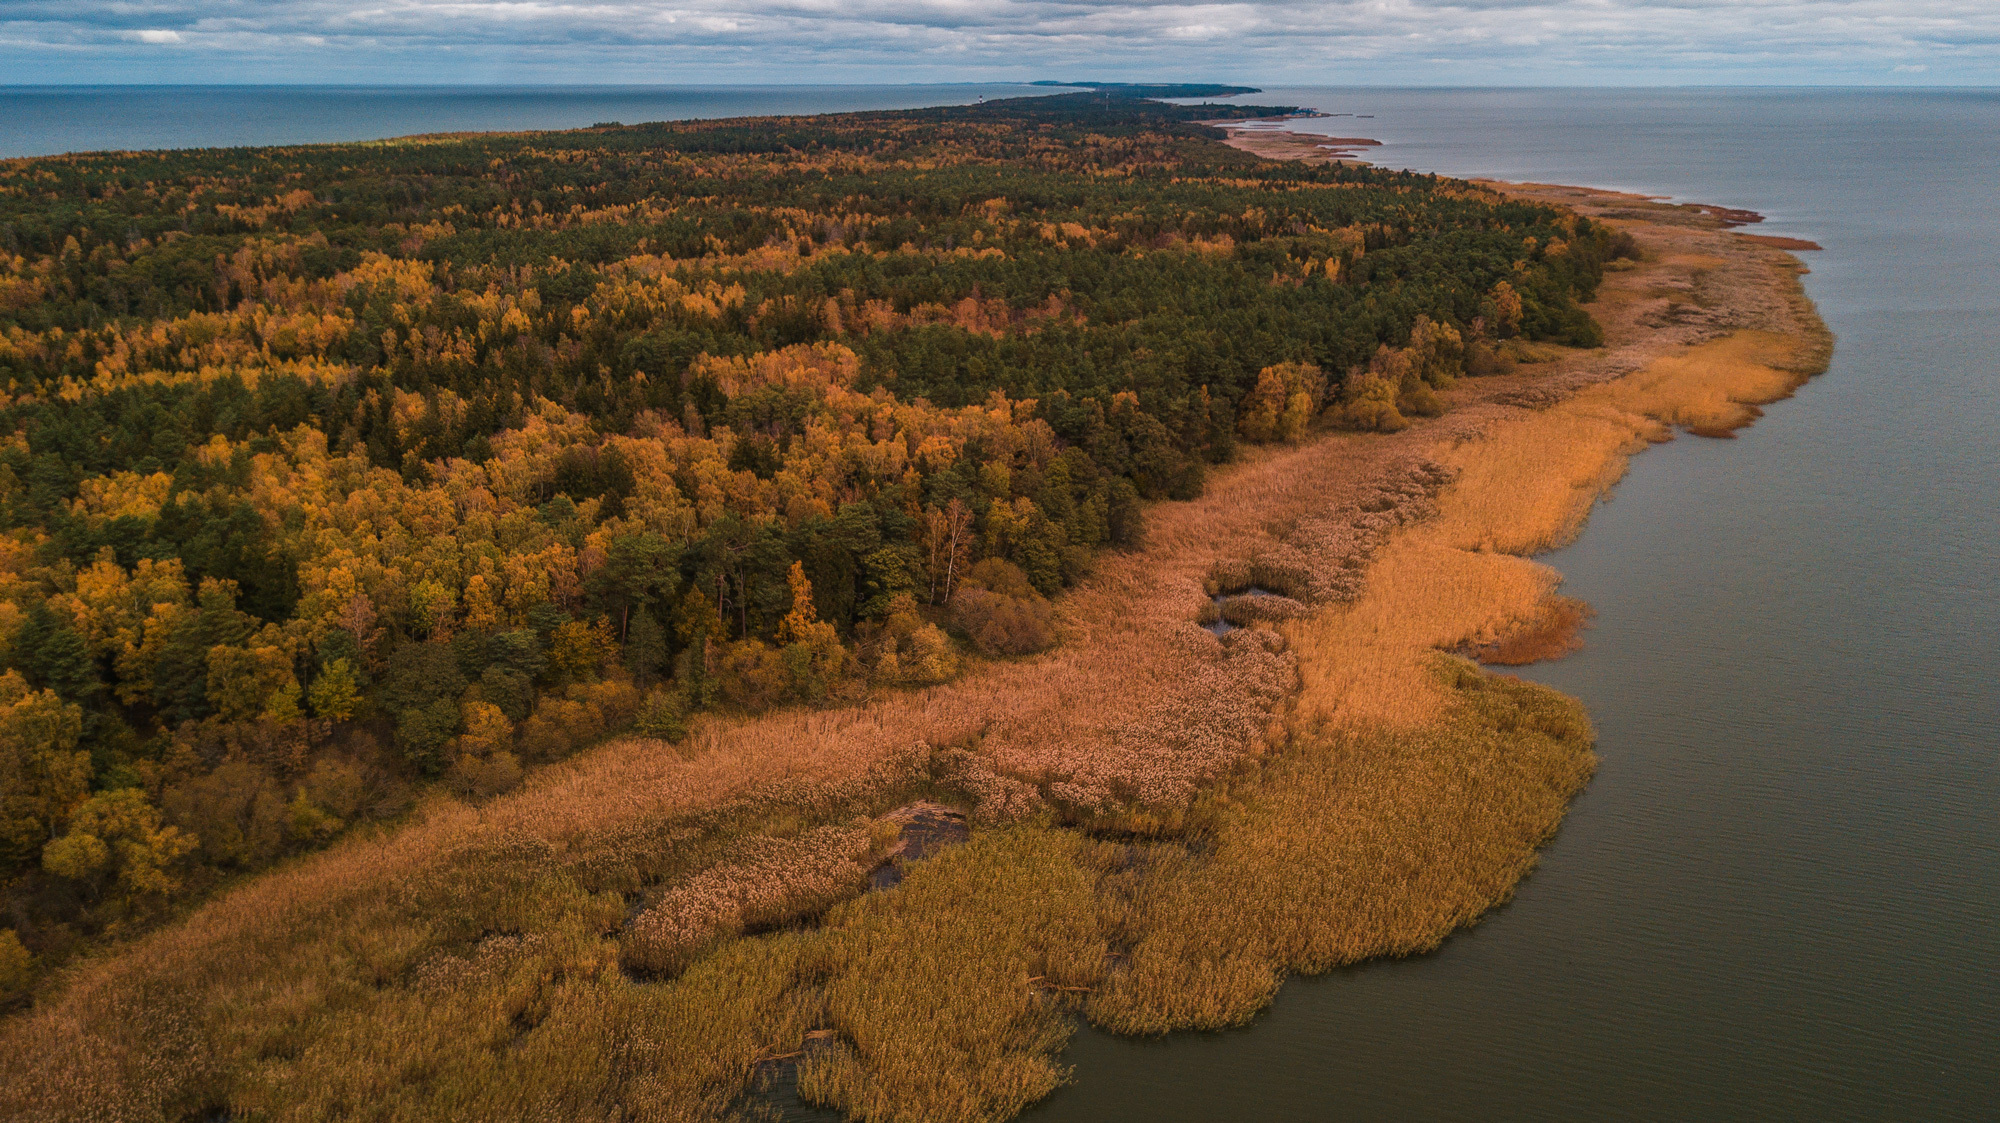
(1780, 897)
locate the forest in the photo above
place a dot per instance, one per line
(335, 476)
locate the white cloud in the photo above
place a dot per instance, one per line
(1265, 41)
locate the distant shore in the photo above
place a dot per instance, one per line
(1258, 138)
(1283, 144)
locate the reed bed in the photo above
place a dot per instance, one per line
(1524, 483)
(1554, 631)
(1352, 845)
(768, 882)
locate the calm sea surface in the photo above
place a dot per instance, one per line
(1780, 897)
(39, 120)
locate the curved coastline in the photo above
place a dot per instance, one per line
(1389, 797)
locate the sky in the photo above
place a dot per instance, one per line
(1329, 42)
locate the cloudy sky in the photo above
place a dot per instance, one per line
(1328, 42)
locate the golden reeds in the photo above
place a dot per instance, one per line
(1554, 631)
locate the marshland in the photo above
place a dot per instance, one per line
(486, 611)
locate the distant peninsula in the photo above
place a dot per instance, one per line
(1156, 90)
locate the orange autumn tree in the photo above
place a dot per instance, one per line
(813, 653)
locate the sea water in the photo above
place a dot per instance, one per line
(40, 120)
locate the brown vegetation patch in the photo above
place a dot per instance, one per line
(1780, 242)
(769, 882)
(1259, 606)
(1727, 216)
(1305, 148)
(1350, 845)
(1555, 630)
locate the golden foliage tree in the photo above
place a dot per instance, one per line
(118, 837)
(43, 775)
(1282, 406)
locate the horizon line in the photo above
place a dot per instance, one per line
(1025, 82)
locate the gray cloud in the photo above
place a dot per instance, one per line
(1428, 41)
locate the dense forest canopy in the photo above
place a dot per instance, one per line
(326, 471)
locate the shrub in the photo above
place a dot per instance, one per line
(478, 777)
(578, 650)
(236, 812)
(908, 649)
(1282, 405)
(418, 675)
(542, 739)
(1368, 403)
(662, 716)
(612, 702)
(580, 723)
(816, 663)
(486, 729)
(335, 695)
(1437, 353)
(1000, 612)
(309, 823)
(926, 656)
(17, 967)
(118, 836)
(423, 732)
(998, 624)
(999, 575)
(337, 784)
(1503, 310)
(512, 691)
(754, 675)
(1483, 359)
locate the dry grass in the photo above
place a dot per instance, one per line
(1525, 482)
(931, 989)
(1353, 845)
(467, 965)
(770, 882)
(1365, 667)
(1554, 631)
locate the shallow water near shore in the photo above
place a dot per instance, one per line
(1780, 895)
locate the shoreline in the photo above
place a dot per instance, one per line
(1283, 144)
(1380, 714)
(1292, 715)
(1312, 148)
